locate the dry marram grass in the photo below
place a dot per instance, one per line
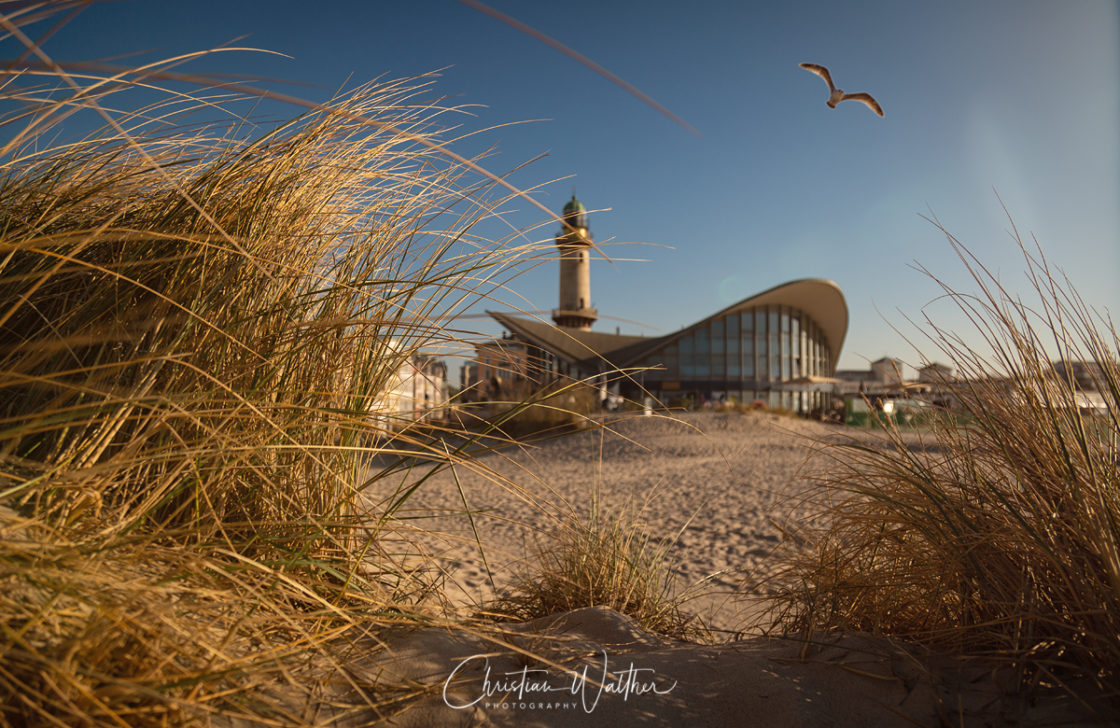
(1002, 537)
(197, 321)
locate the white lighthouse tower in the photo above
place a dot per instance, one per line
(574, 241)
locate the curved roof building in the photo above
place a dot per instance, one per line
(772, 346)
(752, 350)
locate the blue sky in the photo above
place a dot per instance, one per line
(1020, 97)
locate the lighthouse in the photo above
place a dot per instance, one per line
(574, 242)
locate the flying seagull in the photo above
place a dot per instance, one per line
(835, 95)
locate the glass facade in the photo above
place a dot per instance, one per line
(744, 355)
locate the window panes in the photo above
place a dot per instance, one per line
(734, 346)
(766, 344)
(703, 346)
(688, 356)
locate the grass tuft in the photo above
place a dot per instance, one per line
(1000, 535)
(608, 560)
(199, 317)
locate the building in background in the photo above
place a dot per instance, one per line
(417, 391)
(1087, 376)
(501, 370)
(884, 376)
(935, 373)
(776, 347)
(888, 371)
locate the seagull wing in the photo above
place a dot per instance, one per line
(867, 99)
(820, 71)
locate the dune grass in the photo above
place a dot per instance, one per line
(1002, 538)
(198, 319)
(602, 559)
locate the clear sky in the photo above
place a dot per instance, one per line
(1019, 97)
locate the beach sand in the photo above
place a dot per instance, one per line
(599, 669)
(728, 488)
(724, 488)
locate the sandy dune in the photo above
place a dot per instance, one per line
(725, 486)
(600, 669)
(732, 486)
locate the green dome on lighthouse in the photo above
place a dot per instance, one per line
(575, 214)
